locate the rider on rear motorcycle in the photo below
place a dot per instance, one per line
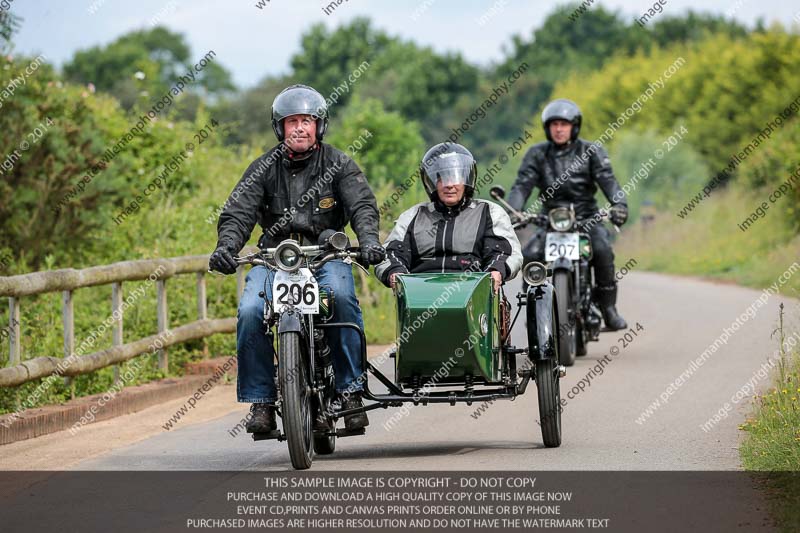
(297, 190)
(453, 232)
(567, 170)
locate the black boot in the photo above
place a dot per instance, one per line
(262, 418)
(606, 298)
(358, 420)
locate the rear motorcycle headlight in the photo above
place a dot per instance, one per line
(561, 218)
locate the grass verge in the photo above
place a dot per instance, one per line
(711, 244)
(772, 441)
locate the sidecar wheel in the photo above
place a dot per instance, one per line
(549, 391)
(562, 281)
(296, 393)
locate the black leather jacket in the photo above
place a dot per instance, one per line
(568, 175)
(299, 199)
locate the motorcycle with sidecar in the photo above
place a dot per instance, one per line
(453, 345)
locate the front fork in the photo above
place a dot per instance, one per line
(591, 314)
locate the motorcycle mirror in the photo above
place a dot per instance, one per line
(339, 241)
(497, 192)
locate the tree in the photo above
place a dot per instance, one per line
(9, 24)
(248, 113)
(327, 58)
(693, 27)
(143, 61)
(724, 91)
(393, 148)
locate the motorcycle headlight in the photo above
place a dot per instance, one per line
(288, 256)
(534, 273)
(561, 218)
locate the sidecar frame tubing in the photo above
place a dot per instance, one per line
(396, 396)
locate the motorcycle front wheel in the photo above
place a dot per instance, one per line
(296, 394)
(562, 281)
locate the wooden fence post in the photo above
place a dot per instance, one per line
(116, 306)
(68, 319)
(14, 355)
(163, 321)
(202, 306)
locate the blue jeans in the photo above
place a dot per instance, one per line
(254, 344)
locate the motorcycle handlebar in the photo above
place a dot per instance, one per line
(544, 221)
(263, 256)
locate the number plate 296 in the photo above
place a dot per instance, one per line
(561, 245)
(299, 288)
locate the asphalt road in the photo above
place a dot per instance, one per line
(679, 319)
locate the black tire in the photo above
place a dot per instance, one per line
(296, 395)
(549, 391)
(581, 341)
(325, 445)
(562, 281)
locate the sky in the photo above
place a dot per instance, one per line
(254, 42)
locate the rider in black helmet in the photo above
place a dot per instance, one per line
(299, 100)
(297, 190)
(567, 170)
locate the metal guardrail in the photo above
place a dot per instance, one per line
(69, 280)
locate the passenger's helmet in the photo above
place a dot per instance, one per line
(451, 163)
(565, 110)
(299, 100)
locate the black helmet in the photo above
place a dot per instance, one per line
(565, 110)
(299, 100)
(451, 163)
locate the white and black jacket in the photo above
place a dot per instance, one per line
(429, 237)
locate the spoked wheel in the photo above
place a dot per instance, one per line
(562, 281)
(297, 398)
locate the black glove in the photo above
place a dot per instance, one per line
(223, 260)
(618, 215)
(372, 253)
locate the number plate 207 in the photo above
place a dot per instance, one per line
(561, 245)
(299, 288)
